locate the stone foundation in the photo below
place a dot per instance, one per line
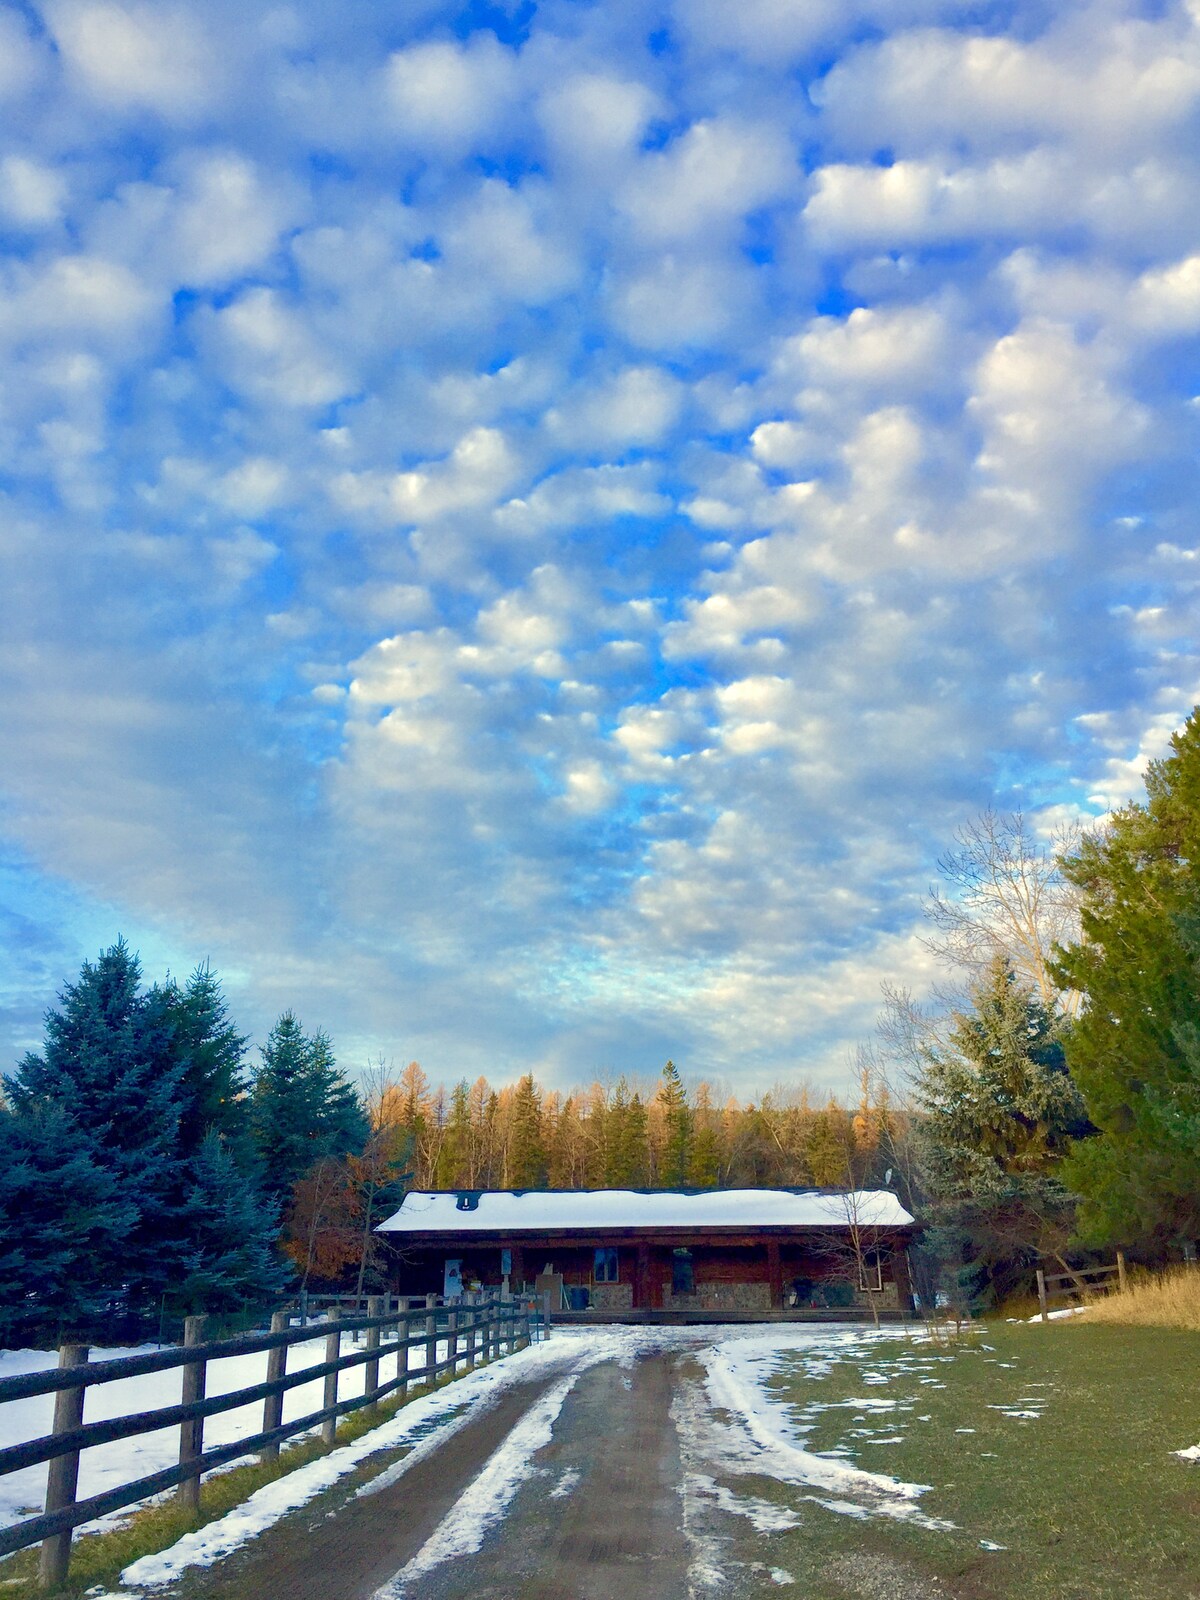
(887, 1298)
(612, 1296)
(720, 1297)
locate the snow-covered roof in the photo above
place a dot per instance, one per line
(591, 1210)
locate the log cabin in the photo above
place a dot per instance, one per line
(634, 1252)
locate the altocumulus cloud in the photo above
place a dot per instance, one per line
(526, 527)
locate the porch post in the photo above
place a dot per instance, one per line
(775, 1272)
(642, 1297)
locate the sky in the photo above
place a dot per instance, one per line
(527, 527)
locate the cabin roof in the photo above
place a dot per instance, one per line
(464, 1211)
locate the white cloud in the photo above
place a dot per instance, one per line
(228, 218)
(138, 56)
(593, 121)
(708, 180)
(443, 96)
(266, 348)
(637, 406)
(31, 194)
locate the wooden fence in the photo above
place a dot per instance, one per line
(1079, 1284)
(475, 1329)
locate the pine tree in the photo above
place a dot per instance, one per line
(677, 1128)
(1134, 1049)
(453, 1169)
(704, 1162)
(526, 1151)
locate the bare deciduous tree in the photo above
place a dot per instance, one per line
(1005, 894)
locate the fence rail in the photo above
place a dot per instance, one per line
(1079, 1283)
(474, 1329)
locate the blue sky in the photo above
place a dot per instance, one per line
(527, 527)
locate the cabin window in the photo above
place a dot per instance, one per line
(682, 1279)
(870, 1271)
(605, 1268)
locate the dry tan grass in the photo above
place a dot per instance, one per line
(1168, 1299)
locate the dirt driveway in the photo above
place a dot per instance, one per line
(597, 1479)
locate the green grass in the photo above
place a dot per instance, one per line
(100, 1558)
(1087, 1498)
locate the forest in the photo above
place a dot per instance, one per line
(1043, 1106)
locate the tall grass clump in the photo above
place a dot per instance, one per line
(1168, 1299)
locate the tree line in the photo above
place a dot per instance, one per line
(149, 1164)
(1046, 1104)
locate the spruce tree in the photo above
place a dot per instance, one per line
(1001, 1113)
(1134, 1049)
(111, 1067)
(677, 1129)
(303, 1107)
(63, 1222)
(214, 1075)
(229, 1256)
(526, 1150)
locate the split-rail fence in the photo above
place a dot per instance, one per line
(474, 1329)
(1079, 1284)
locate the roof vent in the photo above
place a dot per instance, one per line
(467, 1202)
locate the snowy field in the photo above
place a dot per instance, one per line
(107, 1465)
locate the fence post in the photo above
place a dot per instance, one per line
(63, 1477)
(452, 1342)
(371, 1378)
(403, 1329)
(276, 1368)
(1121, 1270)
(546, 1314)
(473, 1334)
(303, 1302)
(333, 1349)
(1041, 1282)
(430, 1339)
(191, 1434)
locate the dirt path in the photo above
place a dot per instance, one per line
(603, 1520)
(599, 1519)
(343, 1546)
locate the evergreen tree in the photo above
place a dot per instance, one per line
(526, 1151)
(620, 1157)
(111, 1066)
(303, 1107)
(704, 1162)
(1135, 1050)
(453, 1169)
(214, 1080)
(1000, 1114)
(677, 1129)
(229, 1256)
(63, 1220)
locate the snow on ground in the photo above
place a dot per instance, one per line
(739, 1425)
(105, 1466)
